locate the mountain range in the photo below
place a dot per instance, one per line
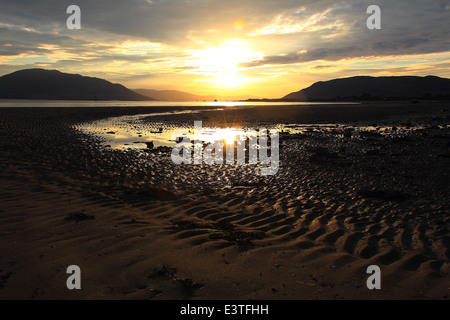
(40, 84)
(43, 84)
(374, 88)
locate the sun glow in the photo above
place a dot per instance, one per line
(222, 63)
(229, 135)
(239, 25)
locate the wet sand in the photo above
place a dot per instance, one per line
(140, 227)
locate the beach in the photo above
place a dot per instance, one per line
(358, 185)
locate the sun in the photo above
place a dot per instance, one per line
(222, 64)
(229, 135)
(223, 59)
(239, 25)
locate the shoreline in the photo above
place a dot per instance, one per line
(134, 222)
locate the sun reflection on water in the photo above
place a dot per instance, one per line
(133, 132)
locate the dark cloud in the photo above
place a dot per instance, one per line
(324, 67)
(383, 48)
(329, 30)
(168, 21)
(408, 27)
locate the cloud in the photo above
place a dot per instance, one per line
(177, 22)
(325, 67)
(335, 31)
(148, 37)
(382, 48)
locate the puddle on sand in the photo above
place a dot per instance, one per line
(128, 132)
(135, 132)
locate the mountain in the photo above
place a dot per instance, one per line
(43, 84)
(175, 95)
(374, 88)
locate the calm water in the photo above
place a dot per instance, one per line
(135, 131)
(68, 104)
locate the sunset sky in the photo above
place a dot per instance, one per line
(253, 47)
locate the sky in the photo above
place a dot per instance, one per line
(215, 47)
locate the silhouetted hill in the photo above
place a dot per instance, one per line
(43, 84)
(375, 88)
(175, 95)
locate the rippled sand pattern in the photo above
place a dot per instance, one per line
(344, 198)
